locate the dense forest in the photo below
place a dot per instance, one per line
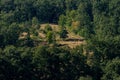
(24, 55)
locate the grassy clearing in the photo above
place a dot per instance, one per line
(72, 41)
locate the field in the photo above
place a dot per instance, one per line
(71, 41)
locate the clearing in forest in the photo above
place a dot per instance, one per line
(71, 41)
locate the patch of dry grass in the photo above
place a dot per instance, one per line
(71, 44)
(75, 39)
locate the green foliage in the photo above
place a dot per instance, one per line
(62, 21)
(84, 32)
(26, 42)
(35, 23)
(26, 10)
(63, 34)
(112, 69)
(107, 23)
(98, 21)
(62, 24)
(41, 63)
(71, 16)
(49, 13)
(1, 40)
(50, 37)
(10, 34)
(15, 63)
(72, 5)
(48, 28)
(85, 78)
(7, 17)
(85, 17)
(7, 5)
